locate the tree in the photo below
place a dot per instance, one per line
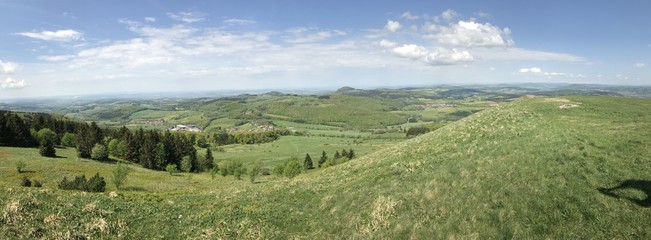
(113, 146)
(49, 134)
(344, 153)
(201, 142)
(160, 156)
(186, 164)
(171, 169)
(47, 148)
(69, 140)
(255, 171)
(99, 152)
(337, 155)
(206, 163)
(292, 168)
(120, 173)
(351, 154)
(323, 159)
(121, 149)
(307, 164)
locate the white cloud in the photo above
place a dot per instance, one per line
(188, 17)
(392, 26)
(534, 70)
(407, 15)
(442, 56)
(57, 58)
(59, 35)
(639, 65)
(471, 34)
(237, 21)
(11, 83)
(150, 19)
(303, 35)
(520, 54)
(411, 51)
(449, 15)
(387, 44)
(8, 67)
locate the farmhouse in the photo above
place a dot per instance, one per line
(185, 128)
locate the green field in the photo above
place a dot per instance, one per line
(537, 168)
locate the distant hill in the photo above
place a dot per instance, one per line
(558, 168)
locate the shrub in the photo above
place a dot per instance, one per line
(69, 140)
(94, 184)
(20, 166)
(47, 148)
(120, 173)
(99, 152)
(255, 171)
(37, 183)
(292, 168)
(186, 164)
(279, 169)
(171, 169)
(232, 167)
(26, 182)
(415, 131)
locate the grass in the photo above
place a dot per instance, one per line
(276, 152)
(527, 169)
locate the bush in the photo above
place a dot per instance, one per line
(292, 168)
(94, 184)
(99, 152)
(279, 169)
(255, 171)
(171, 169)
(232, 167)
(186, 164)
(47, 148)
(69, 140)
(415, 131)
(37, 183)
(26, 182)
(20, 166)
(120, 173)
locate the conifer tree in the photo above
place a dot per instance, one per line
(307, 164)
(47, 148)
(337, 155)
(351, 154)
(323, 159)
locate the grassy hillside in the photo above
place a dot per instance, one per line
(535, 168)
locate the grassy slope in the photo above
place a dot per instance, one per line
(523, 170)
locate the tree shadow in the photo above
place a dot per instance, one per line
(640, 185)
(133, 189)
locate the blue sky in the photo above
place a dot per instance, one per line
(50, 48)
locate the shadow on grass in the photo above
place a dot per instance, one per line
(133, 189)
(640, 185)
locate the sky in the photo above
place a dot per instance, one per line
(79, 47)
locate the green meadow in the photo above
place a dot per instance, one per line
(536, 168)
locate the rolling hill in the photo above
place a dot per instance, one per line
(559, 168)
